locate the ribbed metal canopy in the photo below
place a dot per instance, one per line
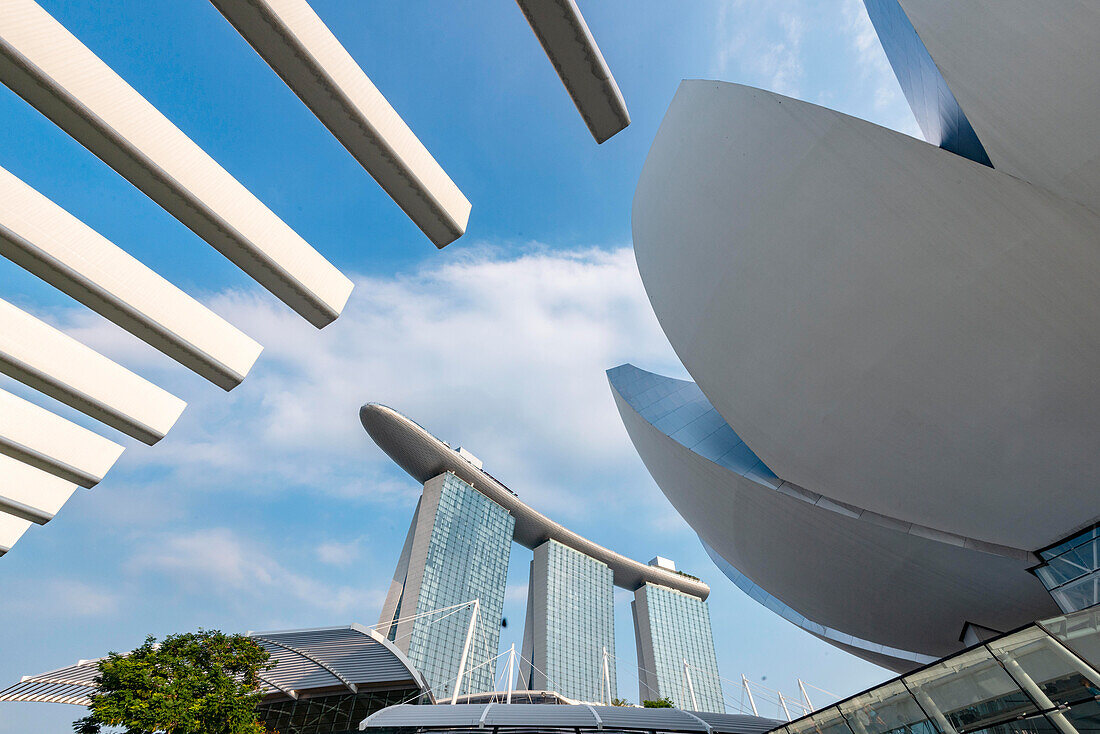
(312, 660)
(523, 716)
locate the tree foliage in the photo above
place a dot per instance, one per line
(619, 702)
(660, 703)
(203, 682)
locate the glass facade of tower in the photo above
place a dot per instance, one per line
(467, 558)
(579, 623)
(678, 629)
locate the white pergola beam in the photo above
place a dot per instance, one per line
(11, 530)
(29, 493)
(57, 247)
(53, 71)
(53, 444)
(54, 363)
(572, 50)
(301, 49)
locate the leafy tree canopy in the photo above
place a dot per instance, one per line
(660, 703)
(203, 682)
(619, 702)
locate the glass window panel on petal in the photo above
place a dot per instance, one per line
(1061, 676)
(968, 692)
(1079, 594)
(889, 709)
(829, 721)
(1032, 725)
(1080, 632)
(1085, 717)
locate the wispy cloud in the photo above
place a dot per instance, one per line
(516, 593)
(762, 44)
(875, 70)
(64, 597)
(504, 354)
(218, 560)
(335, 553)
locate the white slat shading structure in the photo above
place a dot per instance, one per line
(52, 70)
(27, 495)
(53, 444)
(301, 49)
(572, 50)
(54, 363)
(44, 457)
(46, 240)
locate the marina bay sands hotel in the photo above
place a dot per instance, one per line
(457, 549)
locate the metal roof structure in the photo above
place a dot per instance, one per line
(523, 716)
(1040, 677)
(424, 456)
(308, 662)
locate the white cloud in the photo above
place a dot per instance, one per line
(335, 553)
(217, 560)
(503, 354)
(875, 69)
(63, 597)
(516, 593)
(762, 44)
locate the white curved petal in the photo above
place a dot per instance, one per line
(844, 575)
(895, 326)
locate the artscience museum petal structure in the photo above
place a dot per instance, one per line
(892, 437)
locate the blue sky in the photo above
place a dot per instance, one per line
(268, 507)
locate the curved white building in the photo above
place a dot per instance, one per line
(901, 334)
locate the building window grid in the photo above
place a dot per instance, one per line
(680, 629)
(580, 624)
(467, 559)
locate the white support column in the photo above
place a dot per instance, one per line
(1032, 688)
(691, 687)
(511, 671)
(606, 678)
(466, 649)
(805, 696)
(752, 703)
(783, 703)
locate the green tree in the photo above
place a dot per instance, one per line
(203, 682)
(619, 702)
(660, 703)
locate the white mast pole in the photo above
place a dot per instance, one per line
(466, 650)
(745, 682)
(783, 703)
(691, 687)
(511, 668)
(606, 677)
(806, 696)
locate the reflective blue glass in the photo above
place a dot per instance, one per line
(937, 111)
(681, 410)
(580, 624)
(1071, 571)
(468, 551)
(685, 415)
(679, 627)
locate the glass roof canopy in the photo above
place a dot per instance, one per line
(1041, 679)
